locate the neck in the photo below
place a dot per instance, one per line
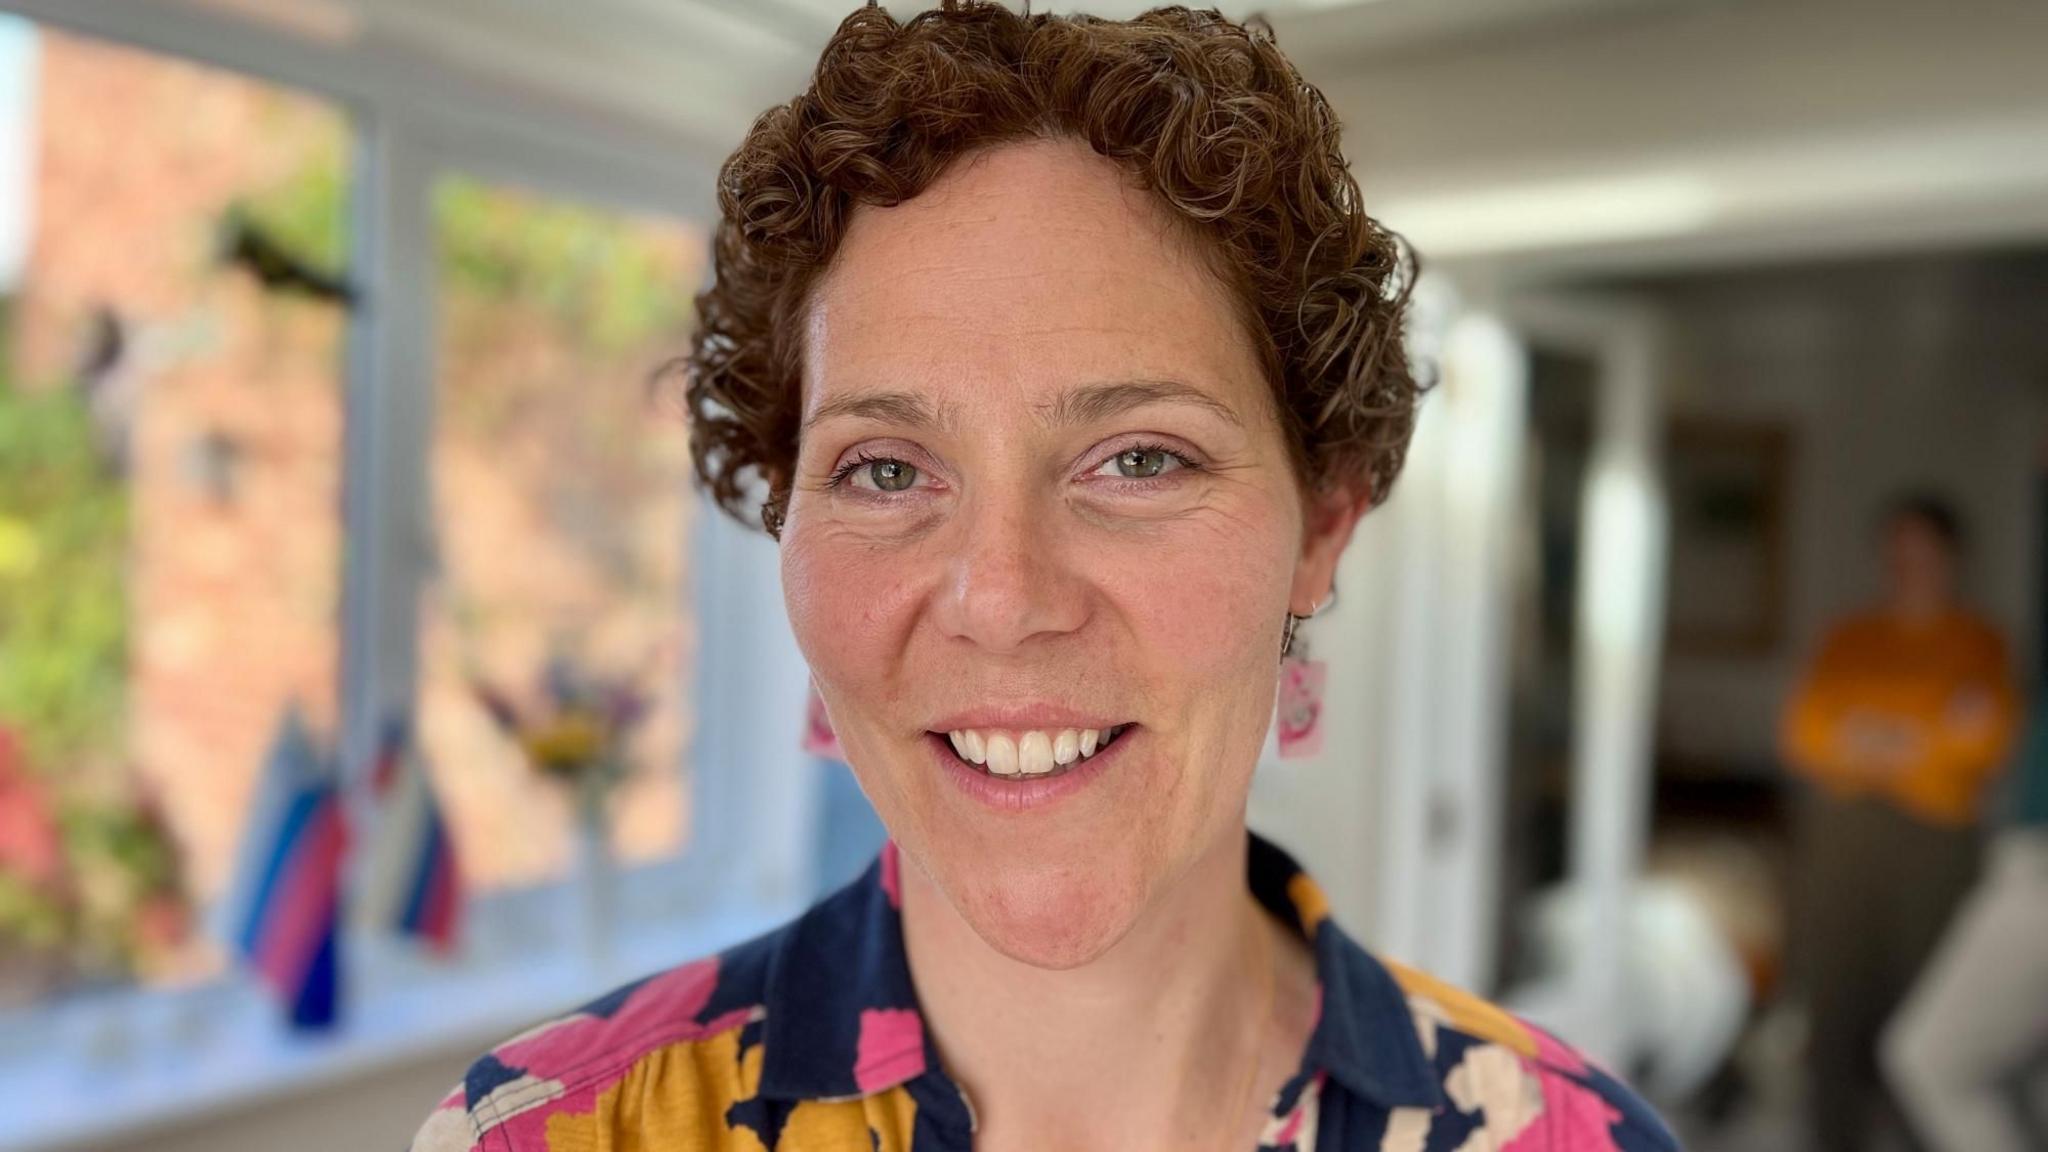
(1148, 1045)
(1918, 610)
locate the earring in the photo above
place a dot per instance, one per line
(819, 739)
(1295, 621)
(1299, 710)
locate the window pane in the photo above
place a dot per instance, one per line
(170, 479)
(561, 489)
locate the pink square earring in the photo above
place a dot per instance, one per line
(819, 739)
(1299, 711)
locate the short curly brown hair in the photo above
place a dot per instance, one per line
(1205, 113)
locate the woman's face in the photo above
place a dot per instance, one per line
(1043, 501)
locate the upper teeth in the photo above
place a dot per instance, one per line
(1031, 753)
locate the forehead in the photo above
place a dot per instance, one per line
(1036, 264)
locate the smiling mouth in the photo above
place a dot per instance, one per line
(1032, 754)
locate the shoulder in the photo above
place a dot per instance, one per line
(1519, 1085)
(682, 1037)
(1980, 635)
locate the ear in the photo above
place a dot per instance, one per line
(1332, 515)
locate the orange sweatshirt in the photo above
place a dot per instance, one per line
(1920, 714)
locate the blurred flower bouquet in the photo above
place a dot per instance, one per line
(575, 728)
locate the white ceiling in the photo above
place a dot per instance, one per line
(704, 68)
(1651, 130)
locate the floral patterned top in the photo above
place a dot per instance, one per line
(809, 1039)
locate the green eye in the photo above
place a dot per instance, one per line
(892, 475)
(1142, 463)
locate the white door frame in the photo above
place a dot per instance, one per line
(1436, 565)
(1618, 638)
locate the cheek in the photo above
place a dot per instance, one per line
(807, 596)
(849, 606)
(1207, 604)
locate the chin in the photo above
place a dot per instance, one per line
(1055, 917)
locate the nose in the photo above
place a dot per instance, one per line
(1009, 580)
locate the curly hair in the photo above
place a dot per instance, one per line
(1206, 114)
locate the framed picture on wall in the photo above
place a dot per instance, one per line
(1728, 482)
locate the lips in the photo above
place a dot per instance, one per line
(1029, 753)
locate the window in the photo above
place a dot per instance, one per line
(561, 506)
(172, 318)
(178, 354)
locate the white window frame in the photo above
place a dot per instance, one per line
(747, 861)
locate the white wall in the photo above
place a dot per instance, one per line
(1700, 76)
(377, 1111)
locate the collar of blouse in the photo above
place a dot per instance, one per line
(842, 1017)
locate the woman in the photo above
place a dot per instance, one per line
(1067, 361)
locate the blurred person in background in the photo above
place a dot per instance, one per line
(1899, 724)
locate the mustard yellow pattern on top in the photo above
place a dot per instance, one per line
(678, 1098)
(883, 1122)
(674, 1098)
(1464, 1011)
(1311, 907)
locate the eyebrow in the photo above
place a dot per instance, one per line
(1094, 402)
(905, 408)
(1086, 404)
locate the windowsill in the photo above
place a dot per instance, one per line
(118, 1066)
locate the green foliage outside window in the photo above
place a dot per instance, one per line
(63, 681)
(590, 272)
(63, 560)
